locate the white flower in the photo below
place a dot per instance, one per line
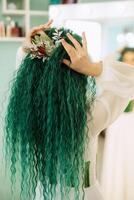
(57, 35)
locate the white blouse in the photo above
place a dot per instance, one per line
(116, 89)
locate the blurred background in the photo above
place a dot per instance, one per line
(109, 27)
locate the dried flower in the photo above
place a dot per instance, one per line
(42, 45)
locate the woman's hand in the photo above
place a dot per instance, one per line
(35, 30)
(78, 54)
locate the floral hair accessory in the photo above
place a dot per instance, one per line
(57, 36)
(42, 45)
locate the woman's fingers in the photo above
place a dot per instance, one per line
(69, 49)
(84, 41)
(45, 26)
(38, 29)
(49, 23)
(74, 41)
(67, 62)
(41, 27)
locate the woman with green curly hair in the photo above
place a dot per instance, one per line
(54, 115)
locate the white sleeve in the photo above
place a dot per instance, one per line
(20, 55)
(116, 86)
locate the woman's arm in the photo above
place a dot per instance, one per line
(116, 84)
(107, 108)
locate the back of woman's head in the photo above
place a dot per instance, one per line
(46, 120)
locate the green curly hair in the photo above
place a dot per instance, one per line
(46, 125)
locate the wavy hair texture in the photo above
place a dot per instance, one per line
(46, 125)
